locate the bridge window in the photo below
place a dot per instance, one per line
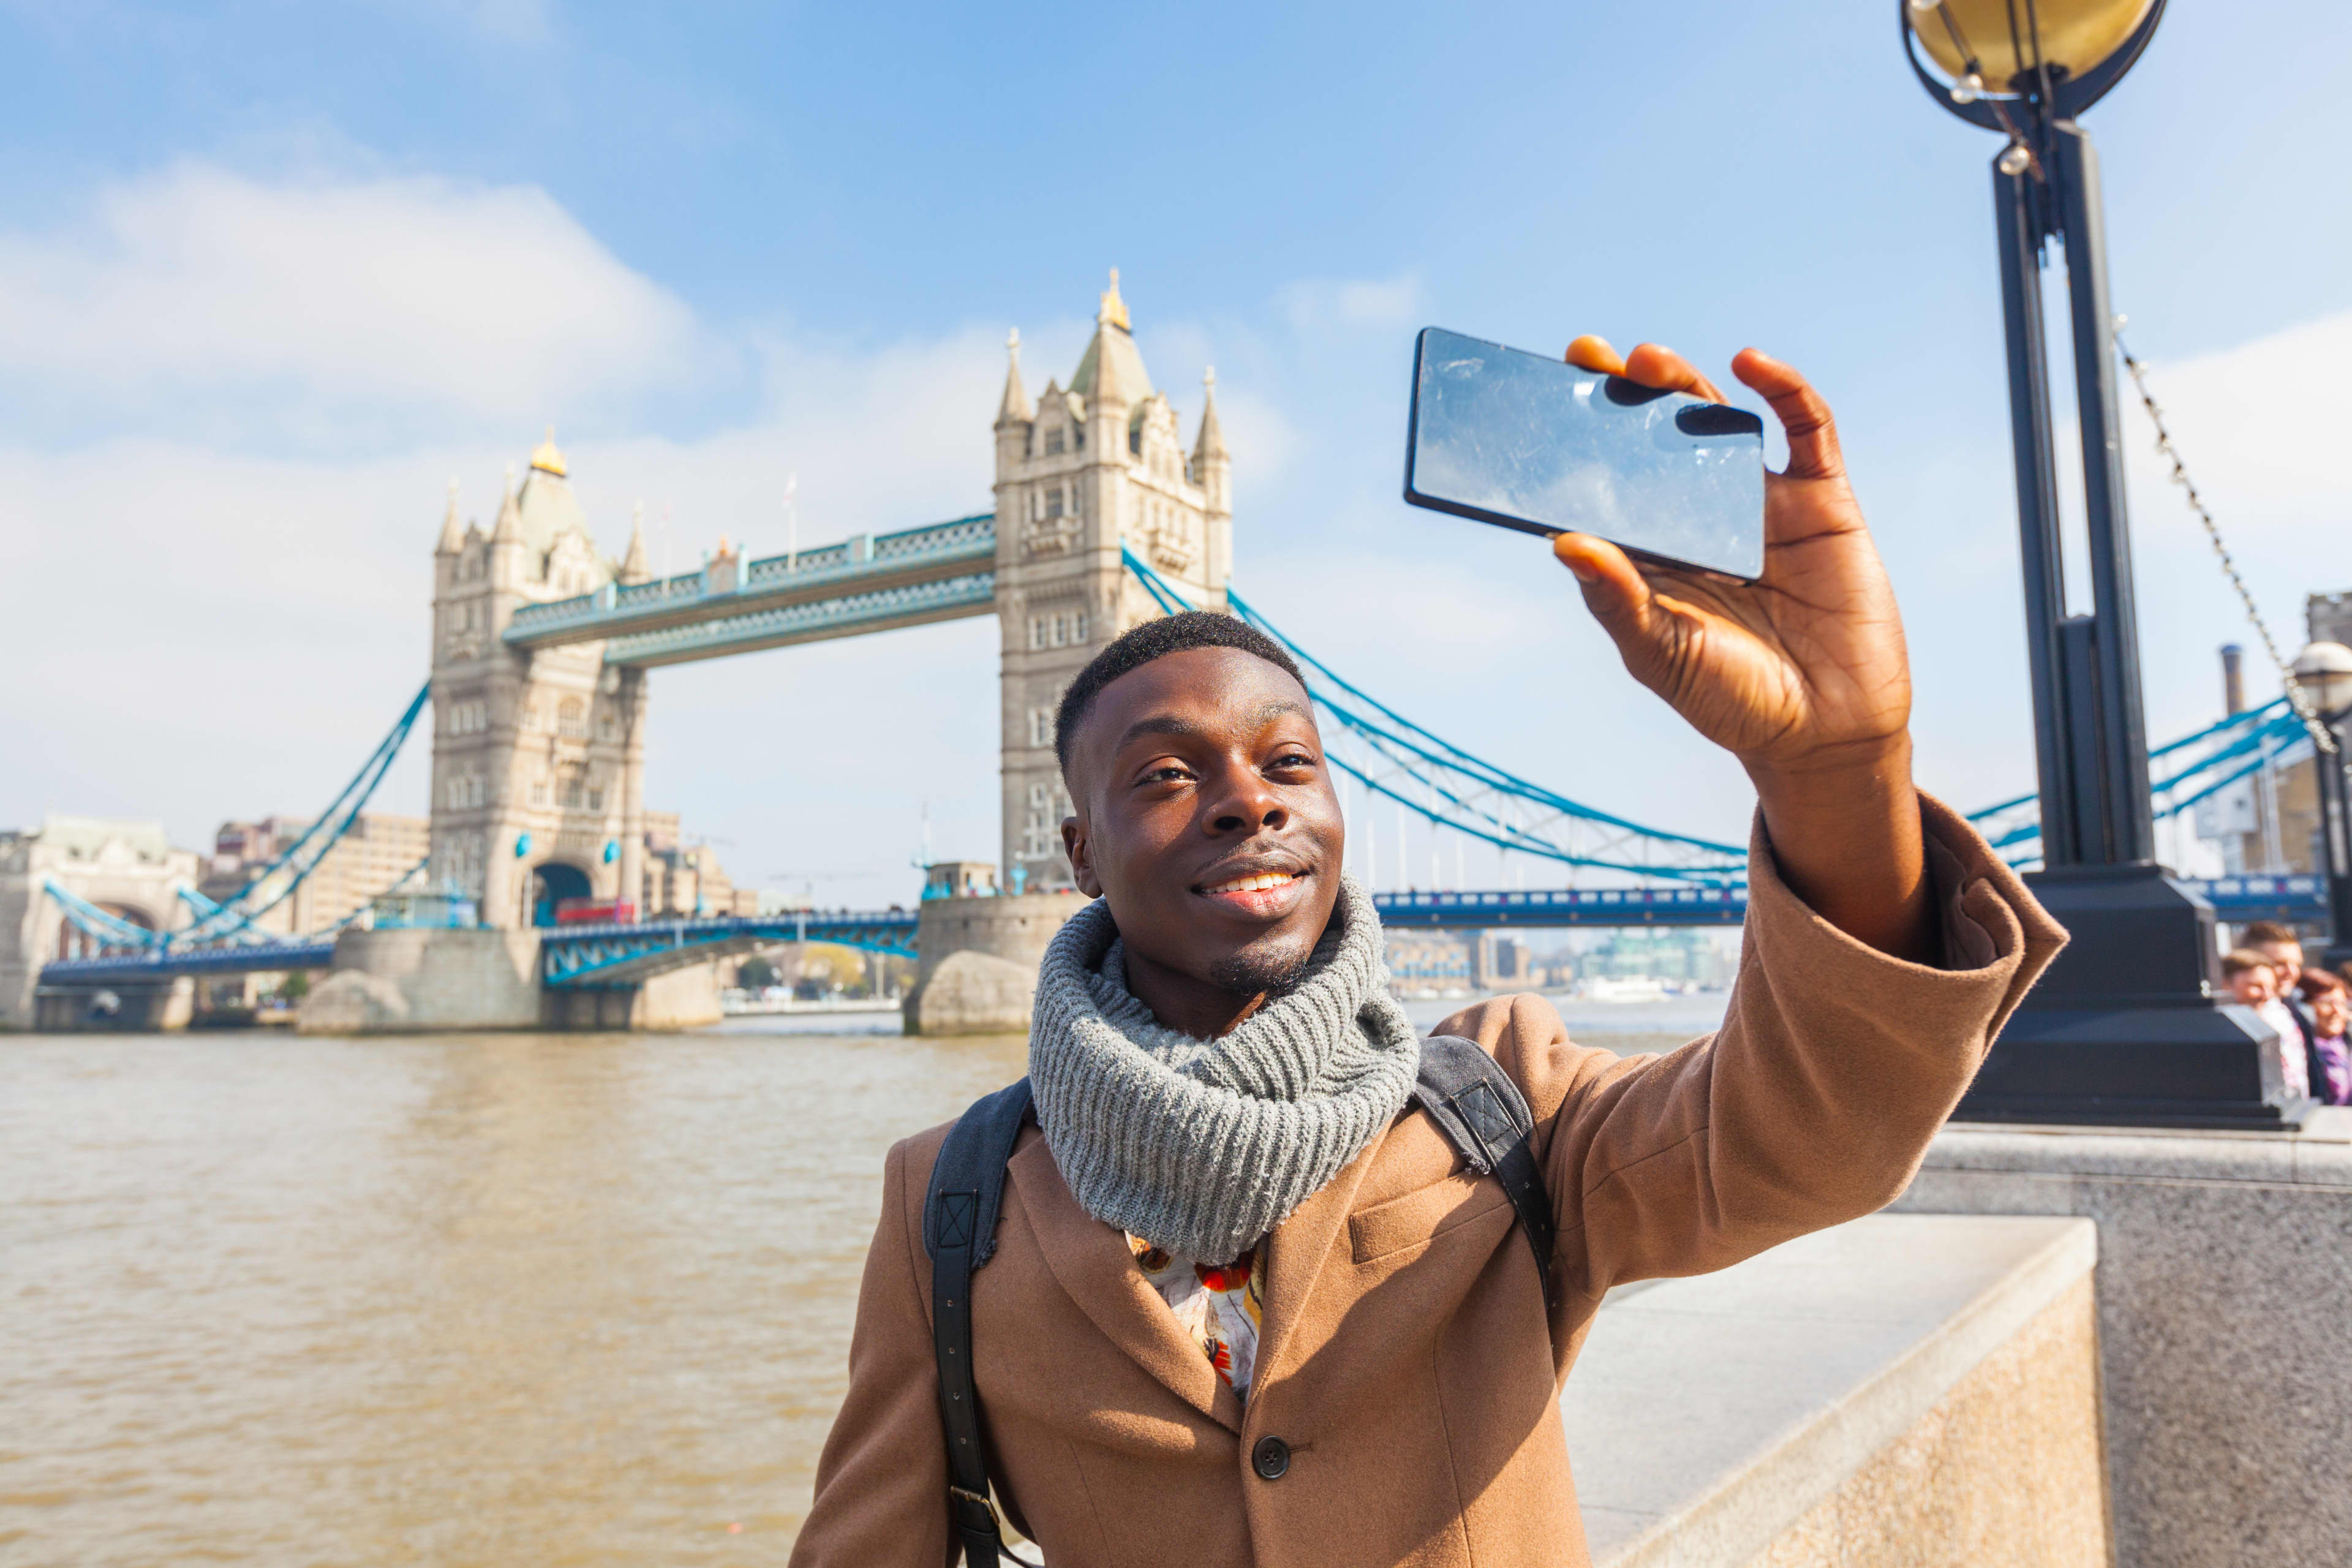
(1054, 502)
(1041, 726)
(572, 791)
(596, 800)
(539, 791)
(572, 718)
(1054, 441)
(607, 728)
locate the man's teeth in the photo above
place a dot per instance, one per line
(1256, 884)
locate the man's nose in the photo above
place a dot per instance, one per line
(1244, 803)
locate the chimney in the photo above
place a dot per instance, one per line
(2233, 678)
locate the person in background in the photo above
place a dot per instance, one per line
(2284, 948)
(2331, 1014)
(2253, 982)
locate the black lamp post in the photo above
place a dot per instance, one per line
(2125, 1027)
(2324, 670)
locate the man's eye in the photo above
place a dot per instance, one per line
(1294, 760)
(1163, 775)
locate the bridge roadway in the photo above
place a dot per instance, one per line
(623, 953)
(872, 582)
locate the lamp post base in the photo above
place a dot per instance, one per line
(2124, 1029)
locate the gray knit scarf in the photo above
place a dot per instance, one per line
(1204, 1146)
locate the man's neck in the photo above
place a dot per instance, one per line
(1186, 1004)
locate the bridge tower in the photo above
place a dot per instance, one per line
(1087, 470)
(538, 757)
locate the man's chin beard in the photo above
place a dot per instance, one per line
(1251, 972)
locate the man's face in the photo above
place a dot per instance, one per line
(2286, 958)
(2253, 987)
(1207, 819)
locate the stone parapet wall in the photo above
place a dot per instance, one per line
(1912, 1390)
(2004, 1469)
(2224, 1291)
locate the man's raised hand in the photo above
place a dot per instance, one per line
(1803, 674)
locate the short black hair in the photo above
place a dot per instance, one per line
(1139, 645)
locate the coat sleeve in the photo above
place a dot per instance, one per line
(1812, 1105)
(881, 1482)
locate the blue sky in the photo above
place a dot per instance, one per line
(271, 274)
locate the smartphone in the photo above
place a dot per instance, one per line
(1530, 442)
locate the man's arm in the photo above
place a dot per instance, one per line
(1886, 943)
(1834, 1067)
(881, 1483)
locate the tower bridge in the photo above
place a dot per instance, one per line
(540, 648)
(1103, 517)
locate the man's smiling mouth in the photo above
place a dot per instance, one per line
(1257, 882)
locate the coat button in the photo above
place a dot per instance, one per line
(1271, 1457)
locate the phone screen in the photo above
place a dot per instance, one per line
(1532, 443)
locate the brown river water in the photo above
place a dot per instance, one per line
(495, 1300)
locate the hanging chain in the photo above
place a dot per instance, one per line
(2296, 697)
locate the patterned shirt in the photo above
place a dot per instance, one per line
(1218, 1304)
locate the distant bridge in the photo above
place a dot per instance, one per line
(2235, 898)
(623, 954)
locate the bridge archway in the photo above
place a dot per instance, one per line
(75, 943)
(552, 882)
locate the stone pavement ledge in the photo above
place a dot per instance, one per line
(1908, 1388)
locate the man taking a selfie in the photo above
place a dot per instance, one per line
(1253, 1293)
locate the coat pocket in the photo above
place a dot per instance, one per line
(1424, 1214)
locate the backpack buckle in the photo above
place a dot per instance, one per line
(975, 1512)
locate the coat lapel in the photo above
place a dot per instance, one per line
(1091, 1262)
(1301, 1245)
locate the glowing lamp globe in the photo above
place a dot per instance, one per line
(2324, 670)
(2077, 37)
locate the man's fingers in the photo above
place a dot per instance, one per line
(1589, 352)
(1812, 436)
(1654, 365)
(1613, 589)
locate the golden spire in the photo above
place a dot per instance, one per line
(547, 459)
(1114, 308)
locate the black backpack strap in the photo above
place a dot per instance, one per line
(1485, 1118)
(960, 1233)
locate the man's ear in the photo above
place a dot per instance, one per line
(1082, 864)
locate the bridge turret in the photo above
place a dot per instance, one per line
(510, 552)
(1014, 412)
(635, 567)
(1213, 470)
(453, 535)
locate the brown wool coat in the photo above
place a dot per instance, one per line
(1406, 1356)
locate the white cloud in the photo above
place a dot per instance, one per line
(230, 617)
(2263, 425)
(316, 304)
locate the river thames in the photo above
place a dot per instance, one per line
(491, 1299)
